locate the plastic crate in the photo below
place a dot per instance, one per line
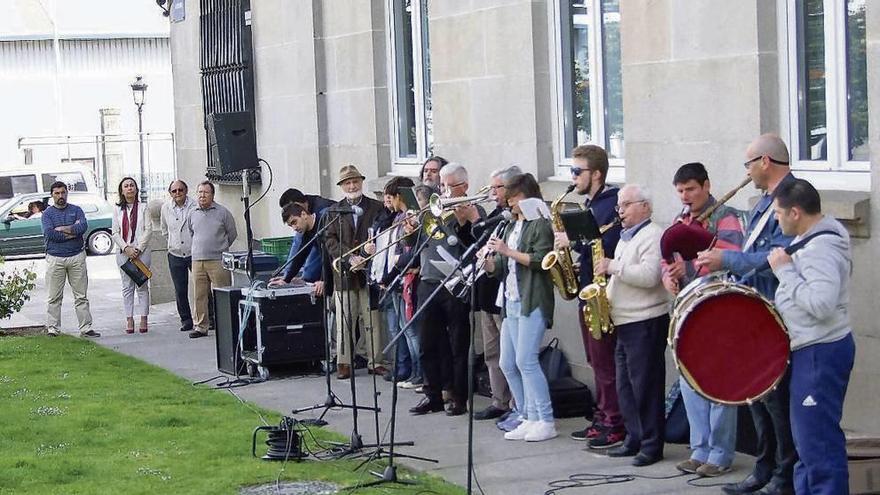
(277, 246)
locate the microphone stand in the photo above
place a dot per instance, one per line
(331, 400)
(389, 474)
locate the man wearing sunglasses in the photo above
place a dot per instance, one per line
(767, 165)
(588, 174)
(174, 221)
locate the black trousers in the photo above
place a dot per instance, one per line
(445, 328)
(180, 268)
(641, 374)
(776, 453)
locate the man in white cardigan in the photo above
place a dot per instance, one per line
(639, 311)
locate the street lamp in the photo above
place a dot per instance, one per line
(138, 91)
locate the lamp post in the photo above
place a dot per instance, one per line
(138, 91)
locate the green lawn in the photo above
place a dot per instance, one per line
(78, 418)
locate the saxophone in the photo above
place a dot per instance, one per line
(597, 308)
(558, 262)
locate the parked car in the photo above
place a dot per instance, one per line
(38, 179)
(21, 231)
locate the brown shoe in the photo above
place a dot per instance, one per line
(378, 370)
(689, 466)
(343, 371)
(712, 470)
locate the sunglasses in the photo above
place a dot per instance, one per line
(179, 189)
(576, 171)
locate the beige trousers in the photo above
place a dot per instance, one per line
(353, 309)
(73, 270)
(206, 274)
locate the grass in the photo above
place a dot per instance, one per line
(76, 418)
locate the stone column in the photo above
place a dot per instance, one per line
(161, 287)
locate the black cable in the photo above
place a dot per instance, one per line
(268, 187)
(706, 485)
(589, 480)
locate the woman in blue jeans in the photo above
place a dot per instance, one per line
(527, 296)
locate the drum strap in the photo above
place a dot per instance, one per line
(791, 249)
(753, 236)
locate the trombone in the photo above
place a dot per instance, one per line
(336, 264)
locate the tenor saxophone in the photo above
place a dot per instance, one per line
(559, 262)
(597, 307)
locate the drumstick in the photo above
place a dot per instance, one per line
(712, 244)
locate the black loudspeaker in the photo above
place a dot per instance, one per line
(232, 141)
(226, 328)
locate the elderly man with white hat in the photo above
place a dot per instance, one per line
(356, 213)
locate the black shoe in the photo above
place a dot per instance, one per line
(455, 408)
(426, 406)
(622, 451)
(641, 459)
(748, 485)
(195, 334)
(186, 328)
(490, 412)
(773, 488)
(90, 334)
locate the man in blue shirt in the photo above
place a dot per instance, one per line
(768, 166)
(310, 262)
(63, 227)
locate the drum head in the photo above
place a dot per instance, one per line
(732, 348)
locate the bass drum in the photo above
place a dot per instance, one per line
(728, 341)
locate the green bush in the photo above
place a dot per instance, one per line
(14, 289)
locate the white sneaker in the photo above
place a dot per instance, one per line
(540, 431)
(52, 332)
(403, 384)
(521, 431)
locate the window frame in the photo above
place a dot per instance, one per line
(562, 72)
(408, 165)
(837, 171)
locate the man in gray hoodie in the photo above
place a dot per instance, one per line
(813, 299)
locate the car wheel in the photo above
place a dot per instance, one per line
(100, 243)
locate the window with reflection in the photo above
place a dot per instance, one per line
(830, 121)
(410, 80)
(591, 89)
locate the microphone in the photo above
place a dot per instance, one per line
(346, 210)
(504, 216)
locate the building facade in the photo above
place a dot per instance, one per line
(65, 74)
(385, 83)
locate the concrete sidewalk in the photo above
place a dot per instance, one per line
(502, 467)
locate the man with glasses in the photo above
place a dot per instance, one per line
(445, 321)
(174, 222)
(487, 290)
(639, 310)
(589, 172)
(768, 167)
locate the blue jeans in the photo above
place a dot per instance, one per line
(409, 343)
(521, 338)
(400, 355)
(819, 378)
(712, 426)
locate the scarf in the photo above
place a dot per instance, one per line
(129, 226)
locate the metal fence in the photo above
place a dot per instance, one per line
(111, 157)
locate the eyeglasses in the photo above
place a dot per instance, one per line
(451, 186)
(625, 205)
(749, 163)
(576, 171)
(179, 189)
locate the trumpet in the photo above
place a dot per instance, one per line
(439, 205)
